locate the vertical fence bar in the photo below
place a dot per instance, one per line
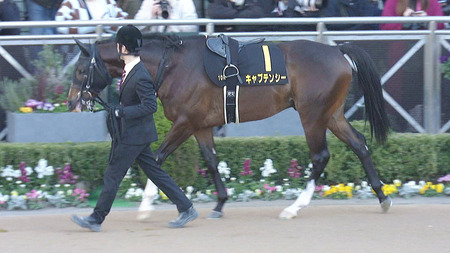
(432, 82)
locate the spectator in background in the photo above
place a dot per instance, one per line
(42, 10)
(130, 6)
(229, 9)
(352, 8)
(292, 9)
(9, 12)
(169, 9)
(410, 8)
(71, 10)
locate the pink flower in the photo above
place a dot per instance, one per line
(247, 170)
(33, 103)
(201, 171)
(33, 194)
(270, 188)
(445, 178)
(59, 89)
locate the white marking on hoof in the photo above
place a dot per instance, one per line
(302, 201)
(143, 215)
(287, 215)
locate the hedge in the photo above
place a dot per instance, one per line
(404, 156)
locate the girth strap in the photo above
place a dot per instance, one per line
(232, 78)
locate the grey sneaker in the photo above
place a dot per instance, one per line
(87, 222)
(184, 217)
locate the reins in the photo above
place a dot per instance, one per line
(165, 59)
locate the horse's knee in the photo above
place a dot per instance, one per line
(320, 160)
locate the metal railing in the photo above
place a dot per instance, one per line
(431, 40)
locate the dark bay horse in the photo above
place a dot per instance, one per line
(319, 78)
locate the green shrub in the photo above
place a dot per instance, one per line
(404, 156)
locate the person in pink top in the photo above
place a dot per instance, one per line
(410, 8)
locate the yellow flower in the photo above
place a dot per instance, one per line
(26, 109)
(14, 193)
(163, 195)
(440, 188)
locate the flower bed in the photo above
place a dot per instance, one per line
(45, 186)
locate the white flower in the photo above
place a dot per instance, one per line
(190, 189)
(422, 183)
(233, 179)
(133, 185)
(139, 192)
(57, 185)
(10, 172)
(66, 185)
(230, 191)
(268, 168)
(128, 175)
(223, 169)
(69, 192)
(325, 188)
(4, 197)
(351, 185)
(43, 170)
(29, 171)
(279, 188)
(60, 193)
(18, 182)
(9, 179)
(364, 184)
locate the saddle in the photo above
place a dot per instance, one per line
(230, 64)
(218, 45)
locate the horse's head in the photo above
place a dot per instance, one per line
(90, 77)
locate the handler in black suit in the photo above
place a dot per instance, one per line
(136, 130)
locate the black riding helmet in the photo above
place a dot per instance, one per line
(131, 38)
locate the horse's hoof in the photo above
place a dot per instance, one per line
(286, 215)
(215, 215)
(143, 215)
(386, 204)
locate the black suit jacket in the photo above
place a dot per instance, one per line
(138, 98)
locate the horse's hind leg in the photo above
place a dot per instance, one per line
(206, 142)
(356, 141)
(316, 138)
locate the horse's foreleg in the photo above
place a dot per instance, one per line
(146, 207)
(177, 134)
(319, 154)
(206, 142)
(356, 141)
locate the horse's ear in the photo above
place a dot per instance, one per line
(83, 47)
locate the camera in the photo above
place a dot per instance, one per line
(314, 4)
(164, 8)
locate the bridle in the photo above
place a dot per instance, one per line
(86, 96)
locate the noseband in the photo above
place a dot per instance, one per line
(85, 95)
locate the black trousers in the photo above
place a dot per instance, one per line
(122, 158)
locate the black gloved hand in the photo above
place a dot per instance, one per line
(117, 111)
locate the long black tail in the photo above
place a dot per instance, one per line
(369, 81)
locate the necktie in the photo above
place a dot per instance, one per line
(121, 80)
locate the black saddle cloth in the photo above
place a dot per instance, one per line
(256, 68)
